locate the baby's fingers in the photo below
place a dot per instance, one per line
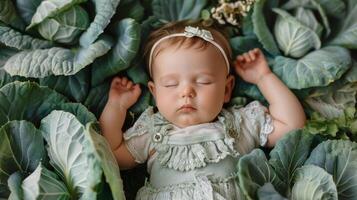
(116, 81)
(238, 67)
(241, 61)
(252, 54)
(129, 85)
(247, 57)
(124, 81)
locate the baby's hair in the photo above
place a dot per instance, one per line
(179, 27)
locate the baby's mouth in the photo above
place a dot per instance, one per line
(187, 108)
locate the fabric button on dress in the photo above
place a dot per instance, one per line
(157, 137)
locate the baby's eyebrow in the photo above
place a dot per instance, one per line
(205, 74)
(167, 77)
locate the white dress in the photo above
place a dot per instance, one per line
(199, 161)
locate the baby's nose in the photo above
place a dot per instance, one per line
(188, 91)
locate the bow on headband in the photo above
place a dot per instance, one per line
(202, 33)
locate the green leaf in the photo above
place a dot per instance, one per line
(131, 9)
(27, 9)
(9, 16)
(51, 8)
(268, 192)
(31, 102)
(121, 55)
(242, 44)
(318, 68)
(338, 158)
(18, 40)
(104, 9)
(80, 111)
(331, 7)
(40, 63)
(261, 29)
(175, 10)
(347, 35)
(97, 98)
(254, 171)
(44, 184)
(104, 155)
(26, 100)
(351, 75)
(314, 4)
(74, 87)
(21, 149)
(290, 153)
(66, 26)
(14, 183)
(323, 16)
(148, 25)
(307, 18)
(248, 89)
(294, 38)
(247, 24)
(70, 154)
(137, 72)
(331, 101)
(334, 8)
(5, 54)
(312, 182)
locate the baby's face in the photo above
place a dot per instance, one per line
(190, 84)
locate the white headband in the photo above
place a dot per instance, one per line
(191, 32)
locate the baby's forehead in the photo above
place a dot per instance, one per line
(189, 61)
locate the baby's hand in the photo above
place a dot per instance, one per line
(123, 93)
(252, 66)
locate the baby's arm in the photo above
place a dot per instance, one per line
(284, 107)
(122, 95)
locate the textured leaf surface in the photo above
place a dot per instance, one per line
(261, 29)
(294, 38)
(318, 68)
(18, 40)
(121, 55)
(69, 153)
(105, 9)
(312, 182)
(174, 10)
(338, 158)
(44, 184)
(21, 149)
(40, 63)
(50, 8)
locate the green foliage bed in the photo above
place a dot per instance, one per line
(57, 58)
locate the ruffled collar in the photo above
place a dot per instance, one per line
(182, 150)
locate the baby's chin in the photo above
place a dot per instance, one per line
(182, 123)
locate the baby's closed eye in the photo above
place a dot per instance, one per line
(204, 81)
(170, 83)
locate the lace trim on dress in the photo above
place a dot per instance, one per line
(231, 121)
(204, 188)
(189, 157)
(255, 111)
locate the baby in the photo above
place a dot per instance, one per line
(190, 142)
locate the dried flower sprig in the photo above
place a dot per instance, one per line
(231, 12)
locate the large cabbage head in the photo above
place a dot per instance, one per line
(66, 26)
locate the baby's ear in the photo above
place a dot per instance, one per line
(152, 88)
(228, 88)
